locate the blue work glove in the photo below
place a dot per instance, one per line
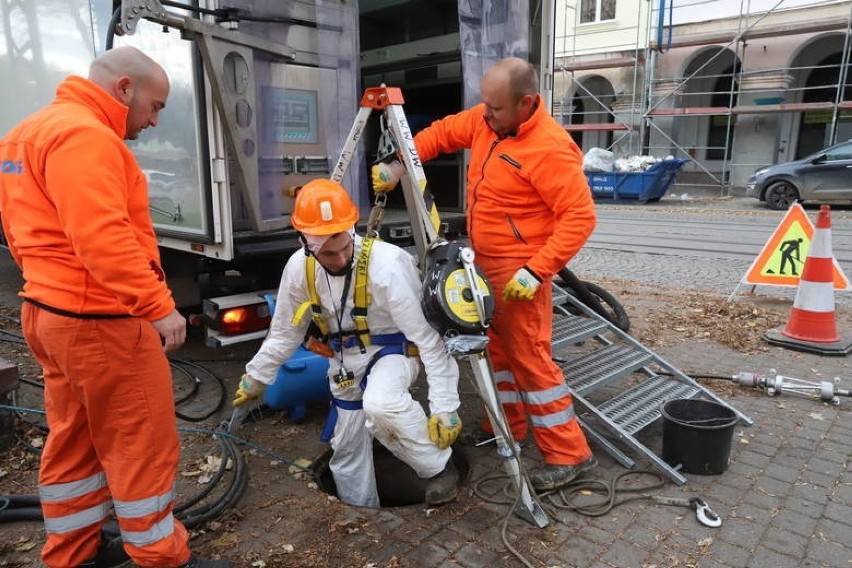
(386, 176)
(522, 286)
(444, 428)
(249, 389)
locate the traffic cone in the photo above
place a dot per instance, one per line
(812, 326)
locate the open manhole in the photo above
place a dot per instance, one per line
(396, 482)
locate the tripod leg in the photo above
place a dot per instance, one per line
(528, 508)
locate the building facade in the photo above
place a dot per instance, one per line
(733, 86)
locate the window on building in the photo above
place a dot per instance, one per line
(596, 11)
(719, 138)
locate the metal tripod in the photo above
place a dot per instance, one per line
(397, 140)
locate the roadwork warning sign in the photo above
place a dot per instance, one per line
(782, 258)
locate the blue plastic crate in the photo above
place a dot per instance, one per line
(647, 186)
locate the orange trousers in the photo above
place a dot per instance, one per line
(530, 385)
(113, 439)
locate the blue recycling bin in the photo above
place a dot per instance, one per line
(299, 382)
(644, 187)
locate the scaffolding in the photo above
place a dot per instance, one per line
(712, 111)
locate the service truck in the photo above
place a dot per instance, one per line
(263, 94)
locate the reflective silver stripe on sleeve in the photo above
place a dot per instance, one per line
(146, 506)
(72, 489)
(156, 533)
(75, 521)
(546, 396)
(553, 419)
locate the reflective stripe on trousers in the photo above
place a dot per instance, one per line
(113, 435)
(530, 385)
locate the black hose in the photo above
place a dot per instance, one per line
(113, 25)
(192, 379)
(12, 337)
(20, 508)
(596, 298)
(19, 501)
(21, 514)
(210, 486)
(239, 482)
(27, 507)
(183, 366)
(708, 376)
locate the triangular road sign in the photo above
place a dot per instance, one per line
(782, 258)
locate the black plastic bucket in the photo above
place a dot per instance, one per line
(697, 435)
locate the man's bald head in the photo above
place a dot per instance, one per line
(135, 80)
(519, 75)
(127, 61)
(509, 91)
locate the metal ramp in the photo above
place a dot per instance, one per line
(618, 384)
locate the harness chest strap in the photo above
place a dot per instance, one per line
(361, 296)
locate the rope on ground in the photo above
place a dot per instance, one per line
(507, 490)
(564, 499)
(610, 491)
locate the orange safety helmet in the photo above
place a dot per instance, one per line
(323, 208)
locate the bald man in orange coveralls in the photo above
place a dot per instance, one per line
(529, 211)
(98, 315)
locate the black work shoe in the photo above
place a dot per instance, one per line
(110, 553)
(552, 476)
(205, 563)
(444, 487)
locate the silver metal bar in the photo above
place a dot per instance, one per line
(528, 508)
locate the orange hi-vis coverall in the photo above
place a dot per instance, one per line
(74, 207)
(528, 204)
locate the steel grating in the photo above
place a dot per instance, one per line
(602, 367)
(574, 329)
(639, 407)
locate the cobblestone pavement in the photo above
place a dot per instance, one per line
(785, 499)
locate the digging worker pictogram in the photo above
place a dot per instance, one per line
(791, 253)
(529, 211)
(357, 300)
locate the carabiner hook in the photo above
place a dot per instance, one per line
(705, 515)
(386, 148)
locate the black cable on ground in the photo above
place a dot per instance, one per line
(19, 508)
(11, 337)
(699, 376)
(192, 512)
(187, 367)
(196, 384)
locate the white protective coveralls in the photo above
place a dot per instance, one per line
(389, 412)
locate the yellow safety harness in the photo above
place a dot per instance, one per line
(361, 298)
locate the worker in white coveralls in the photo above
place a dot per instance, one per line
(357, 300)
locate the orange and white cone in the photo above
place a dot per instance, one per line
(812, 325)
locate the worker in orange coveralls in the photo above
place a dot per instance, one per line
(97, 314)
(529, 211)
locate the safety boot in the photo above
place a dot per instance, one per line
(444, 487)
(553, 476)
(110, 553)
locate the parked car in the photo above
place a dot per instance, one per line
(823, 176)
